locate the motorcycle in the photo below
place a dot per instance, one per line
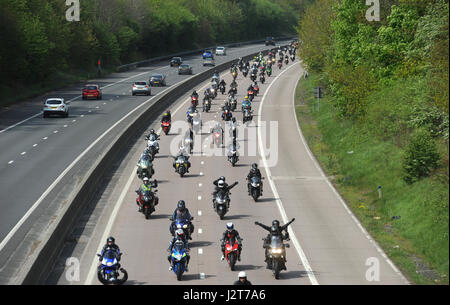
(145, 168)
(217, 138)
(222, 88)
(206, 105)
(108, 270)
(269, 71)
(233, 155)
(234, 75)
(178, 257)
(233, 104)
(280, 64)
(250, 94)
(181, 223)
(255, 187)
(245, 72)
(231, 252)
(221, 203)
(165, 125)
(147, 200)
(196, 124)
(286, 61)
(262, 79)
(226, 115)
(194, 101)
(182, 165)
(276, 255)
(214, 91)
(152, 145)
(248, 116)
(256, 89)
(253, 76)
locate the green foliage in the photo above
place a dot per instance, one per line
(421, 156)
(38, 42)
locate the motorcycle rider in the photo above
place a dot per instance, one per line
(194, 94)
(242, 279)
(179, 156)
(179, 235)
(275, 230)
(217, 128)
(145, 186)
(233, 129)
(182, 212)
(221, 185)
(110, 245)
(246, 104)
(222, 83)
(230, 233)
(254, 172)
(167, 117)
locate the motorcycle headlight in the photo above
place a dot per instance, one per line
(178, 226)
(276, 250)
(185, 226)
(109, 264)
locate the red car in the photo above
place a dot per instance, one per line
(92, 91)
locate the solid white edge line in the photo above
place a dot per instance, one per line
(90, 277)
(341, 200)
(301, 254)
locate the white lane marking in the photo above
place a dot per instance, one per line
(199, 213)
(74, 121)
(11, 162)
(200, 251)
(34, 145)
(200, 185)
(89, 110)
(118, 204)
(65, 126)
(341, 200)
(82, 116)
(23, 153)
(56, 131)
(200, 231)
(203, 162)
(303, 258)
(44, 138)
(50, 188)
(199, 197)
(104, 103)
(201, 174)
(202, 276)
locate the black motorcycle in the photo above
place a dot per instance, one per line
(221, 203)
(255, 187)
(276, 255)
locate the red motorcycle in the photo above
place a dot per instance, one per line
(217, 138)
(194, 101)
(165, 125)
(256, 89)
(147, 201)
(251, 94)
(231, 252)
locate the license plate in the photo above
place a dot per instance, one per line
(53, 107)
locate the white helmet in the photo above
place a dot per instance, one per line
(242, 274)
(146, 179)
(221, 183)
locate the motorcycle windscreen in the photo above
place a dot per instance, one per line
(276, 242)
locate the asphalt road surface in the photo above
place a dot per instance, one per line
(327, 246)
(35, 151)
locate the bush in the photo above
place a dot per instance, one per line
(421, 156)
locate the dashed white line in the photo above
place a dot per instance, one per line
(201, 174)
(199, 213)
(34, 145)
(200, 185)
(81, 116)
(199, 197)
(45, 138)
(74, 120)
(200, 231)
(65, 126)
(203, 162)
(200, 251)
(56, 131)
(23, 153)
(11, 162)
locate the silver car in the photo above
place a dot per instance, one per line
(55, 106)
(221, 51)
(140, 88)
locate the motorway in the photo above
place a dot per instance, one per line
(36, 151)
(328, 245)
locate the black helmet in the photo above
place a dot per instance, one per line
(110, 241)
(276, 223)
(222, 178)
(181, 204)
(152, 130)
(254, 166)
(233, 119)
(273, 229)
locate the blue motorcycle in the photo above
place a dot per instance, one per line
(108, 271)
(181, 223)
(178, 257)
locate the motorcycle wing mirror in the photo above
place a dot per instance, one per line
(98, 255)
(287, 245)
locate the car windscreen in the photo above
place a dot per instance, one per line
(185, 66)
(176, 59)
(54, 102)
(140, 83)
(157, 76)
(220, 48)
(90, 88)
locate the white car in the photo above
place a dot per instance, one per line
(221, 51)
(55, 106)
(140, 88)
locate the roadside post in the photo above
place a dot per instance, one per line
(318, 93)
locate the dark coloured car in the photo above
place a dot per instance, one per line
(207, 54)
(176, 61)
(185, 69)
(270, 41)
(157, 80)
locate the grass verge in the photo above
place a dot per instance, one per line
(410, 222)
